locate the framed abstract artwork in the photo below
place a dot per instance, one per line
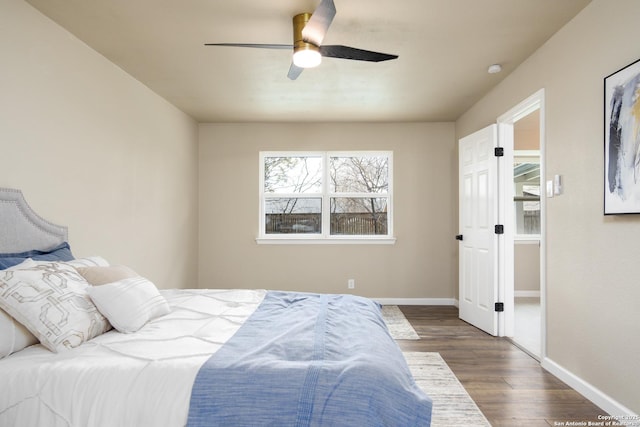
(622, 141)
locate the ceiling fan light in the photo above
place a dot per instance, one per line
(307, 58)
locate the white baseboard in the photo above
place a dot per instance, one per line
(600, 399)
(415, 301)
(527, 294)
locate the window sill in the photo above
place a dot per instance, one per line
(326, 241)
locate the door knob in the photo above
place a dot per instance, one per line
(459, 237)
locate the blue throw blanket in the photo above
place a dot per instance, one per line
(309, 360)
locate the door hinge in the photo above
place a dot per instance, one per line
(499, 307)
(498, 151)
(499, 229)
(459, 237)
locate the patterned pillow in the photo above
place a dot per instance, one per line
(129, 303)
(51, 300)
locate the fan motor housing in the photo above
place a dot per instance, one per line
(299, 21)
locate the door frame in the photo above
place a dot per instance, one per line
(506, 286)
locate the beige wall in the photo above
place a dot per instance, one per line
(94, 149)
(593, 290)
(422, 263)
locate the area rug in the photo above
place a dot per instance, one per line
(452, 405)
(398, 325)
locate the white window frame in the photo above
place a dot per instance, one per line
(325, 236)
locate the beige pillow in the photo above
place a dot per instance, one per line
(102, 275)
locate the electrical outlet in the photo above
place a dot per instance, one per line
(351, 283)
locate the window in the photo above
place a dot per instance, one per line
(326, 196)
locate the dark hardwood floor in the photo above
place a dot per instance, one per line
(509, 386)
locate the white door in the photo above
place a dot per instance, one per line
(478, 194)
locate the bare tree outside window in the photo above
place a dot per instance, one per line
(359, 178)
(359, 174)
(350, 192)
(293, 176)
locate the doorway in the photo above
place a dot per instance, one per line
(489, 217)
(526, 201)
(523, 129)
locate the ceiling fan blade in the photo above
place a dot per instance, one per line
(346, 52)
(294, 71)
(319, 23)
(255, 45)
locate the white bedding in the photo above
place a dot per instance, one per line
(117, 380)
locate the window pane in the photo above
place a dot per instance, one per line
(359, 174)
(292, 174)
(293, 215)
(359, 216)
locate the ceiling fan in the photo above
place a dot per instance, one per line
(308, 32)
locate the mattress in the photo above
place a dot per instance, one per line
(140, 379)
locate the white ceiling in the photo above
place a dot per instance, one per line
(444, 48)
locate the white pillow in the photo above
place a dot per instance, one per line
(13, 336)
(92, 261)
(129, 303)
(51, 300)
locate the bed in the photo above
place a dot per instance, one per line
(86, 343)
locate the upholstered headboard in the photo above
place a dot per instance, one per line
(21, 229)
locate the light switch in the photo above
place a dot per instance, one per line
(549, 188)
(557, 185)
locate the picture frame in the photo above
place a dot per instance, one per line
(622, 141)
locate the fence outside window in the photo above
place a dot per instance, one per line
(351, 224)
